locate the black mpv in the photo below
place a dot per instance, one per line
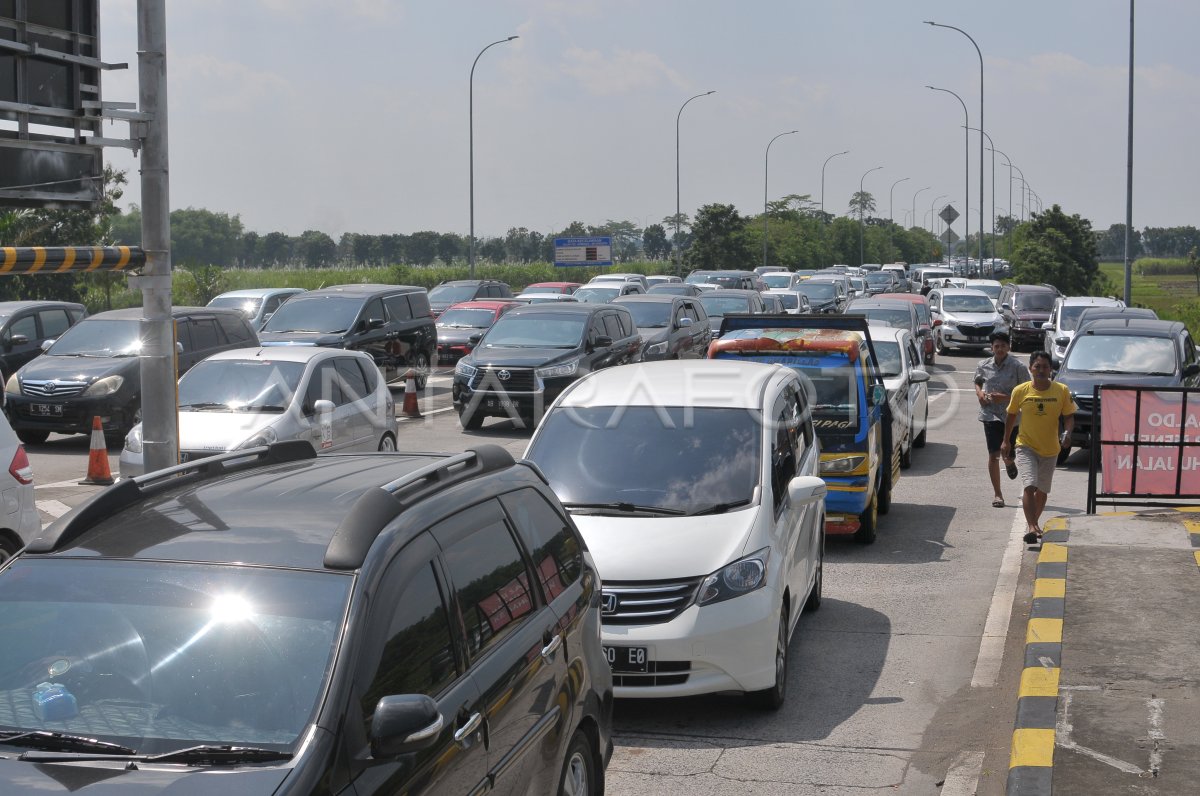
(268, 621)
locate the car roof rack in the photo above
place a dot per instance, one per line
(376, 508)
(128, 491)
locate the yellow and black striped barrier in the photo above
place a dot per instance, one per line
(15, 260)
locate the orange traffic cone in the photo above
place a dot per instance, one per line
(410, 408)
(98, 472)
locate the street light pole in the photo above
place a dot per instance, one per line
(471, 146)
(766, 162)
(892, 215)
(933, 215)
(966, 170)
(981, 126)
(823, 165)
(860, 213)
(914, 203)
(992, 149)
(1129, 174)
(1024, 188)
(678, 212)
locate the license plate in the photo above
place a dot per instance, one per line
(627, 659)
(46, 410)
(500, 403)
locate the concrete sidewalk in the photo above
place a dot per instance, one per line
(1109, 700)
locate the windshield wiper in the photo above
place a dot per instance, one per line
(193, 755)
(62, 742)
(720, 508)
(263, 408)
(205, 405)
(629, 508)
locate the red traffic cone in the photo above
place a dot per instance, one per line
(98, 472)
(410, 408)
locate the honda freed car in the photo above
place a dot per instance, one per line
(695, 485)
(532, 353)
(273, 622)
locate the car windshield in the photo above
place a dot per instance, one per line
(246, 305)
(670, 288)
(818, 290)
(596, 294)
(239, 385)
(686, 459)
(542, 289)
(790, 300)
(536, 331)
(1113, 353)
(876, 279)
(99, 337)
(1035, 302)
(897, 318)
(1068, 316)
(649, 314)
(466, 319)
(888, 354)
(324, 315)
(160, 656)
(451, 294)
(778, 279)
(961, 303)
(992, 291)
(723, 305)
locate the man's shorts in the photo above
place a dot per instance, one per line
(993, 432)
(1036, 471)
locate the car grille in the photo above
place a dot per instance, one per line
(52, 388)
(657, 673)
(975, 329)
(1084, 402)
(518, 380)
(647, 603)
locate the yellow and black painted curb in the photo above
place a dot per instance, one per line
(1031, 760)
(17, 260)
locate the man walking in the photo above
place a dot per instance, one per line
(995, 379)
(1041, 404)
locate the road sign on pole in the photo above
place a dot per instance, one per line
(948, 214)
(571, 252)
(949, 237)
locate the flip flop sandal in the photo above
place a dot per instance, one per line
(998, 503)
(1032, 537)
(1011, 469)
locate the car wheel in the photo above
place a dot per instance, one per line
(387, 443)
(868, 522)
(813, 603)
(906, 453)
(885, 491)
(937, 345)
(470, 420)
(30, 437)
(578, 774)
(420, 364)
(7, 550)
(919, 441)
(773, 698)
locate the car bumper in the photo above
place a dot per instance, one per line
(1026, 336)
(846, 499)
(20, 511)
(488, 403)
(727, 646)
(958, 340)
(70, 416)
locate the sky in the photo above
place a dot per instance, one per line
(352, 115)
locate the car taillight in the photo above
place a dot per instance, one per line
(20, 468)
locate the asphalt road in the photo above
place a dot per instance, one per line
(905, 681)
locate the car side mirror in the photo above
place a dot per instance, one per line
(603, 341)
(1062, 340)
(805, 489)
(18, 339)
(1006, 306)
(1191, 370)
(178, 347)
(878, 395)
(1044, 325)
(322, 406)
(685, 323)
(918, 376)
(403, 724)
(375, 323)
(474, 339)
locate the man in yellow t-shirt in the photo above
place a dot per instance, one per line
(1041, 403)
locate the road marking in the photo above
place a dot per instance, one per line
(1063, 731)
(963, 777)
(995, 628)
(59, 484)
(53, 508)
(1156, 735)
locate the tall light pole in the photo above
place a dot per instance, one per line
(471, 145)
(1129, 173)
(1024, 188)
(914, 203)
(891, 215)
(860, 212)
(1000, 152)
(933, 213)
(992, 148)
(766, 162)
(966, 168)
(823, 165)
(678, 212)
(981, 126)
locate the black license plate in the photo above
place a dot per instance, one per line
(627, 659)
(46, 410)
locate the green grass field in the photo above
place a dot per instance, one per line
(1172, 296)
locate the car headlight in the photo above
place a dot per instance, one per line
(565, 369)
(13, 385)
(463, 369)
(133, 440)
(657, 348)
(843, 464)
(106, 386)
(949, 326)
(264, 437)
(733, 580)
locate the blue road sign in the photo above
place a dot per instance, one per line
(571, 252)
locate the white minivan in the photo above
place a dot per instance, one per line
(695, 484)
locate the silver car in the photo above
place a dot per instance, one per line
(963, 319)
(257, 304)
(19, 521)
(332, 398)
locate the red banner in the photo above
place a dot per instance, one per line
(1156, 425)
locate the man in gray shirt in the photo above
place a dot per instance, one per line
(995, 379)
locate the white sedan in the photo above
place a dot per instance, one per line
(908, 392)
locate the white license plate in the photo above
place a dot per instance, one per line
(627, 659)
(500, 403)
(46, 410)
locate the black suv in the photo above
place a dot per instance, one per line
(269, 621)
(1024, 309)
(93, 370)
(392, 323)
(26, 325)
(447, 293)
(531, 353)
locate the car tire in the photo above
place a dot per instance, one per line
(7, 550)
(938, 348)
(387, 443)
(919, 440)
(470, 420)
(420, 364)
(773, 698)
(868, 522)
(885, 493)
(906, 453)
(813, 603)
(578, 776)
(31, 437)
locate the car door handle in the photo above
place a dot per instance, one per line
(462, 736)
(551, 648)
